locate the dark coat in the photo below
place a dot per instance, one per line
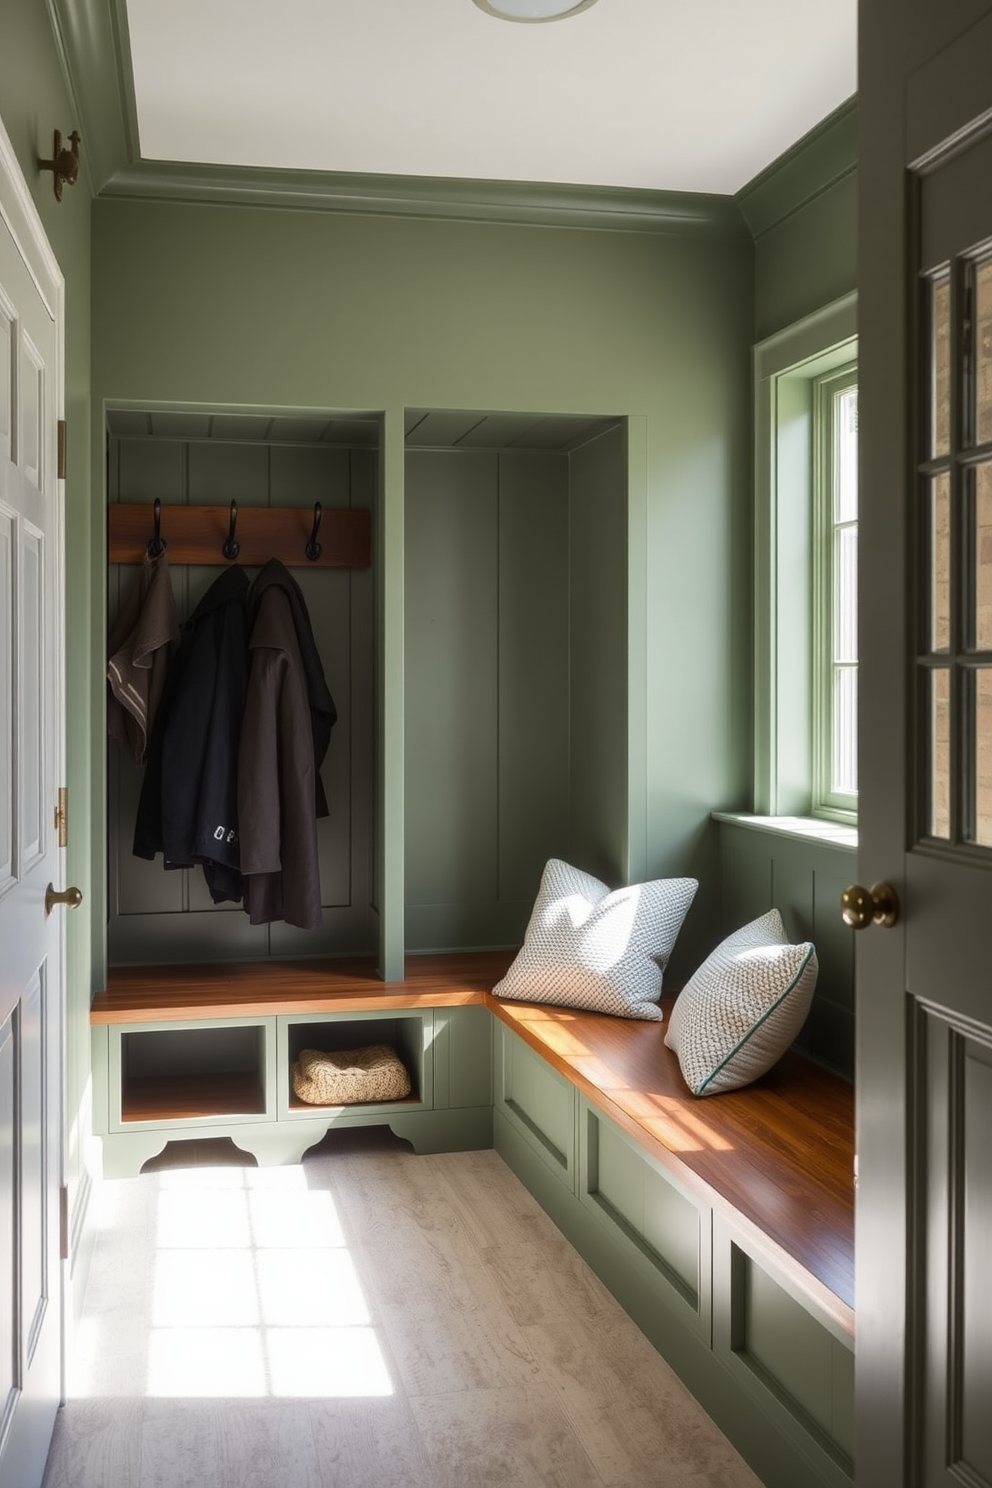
(188, 805)
(289, 714)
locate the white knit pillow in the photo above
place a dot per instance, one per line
(744, 1006)
(586, 947)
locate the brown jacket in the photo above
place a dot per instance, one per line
(278, 773)
(138, 649)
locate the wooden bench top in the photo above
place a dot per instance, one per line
(779, 1154)
(253, 989)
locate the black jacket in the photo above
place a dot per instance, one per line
(288, 719)
(323, 713)
(188, 805)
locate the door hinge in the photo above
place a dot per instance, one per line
(62, 816)
(64, 1222)
(61, 450)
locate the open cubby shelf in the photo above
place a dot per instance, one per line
(170, 1098)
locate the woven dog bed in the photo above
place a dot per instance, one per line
(347, 1077)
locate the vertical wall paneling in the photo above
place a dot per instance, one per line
(515, 675)
(451, 714)
(533, 684)
(185, 459)
(803, 878)
(361, 744)
(598, 560)
(390, 698)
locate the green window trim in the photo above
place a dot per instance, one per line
(787, 368)
(827, 798)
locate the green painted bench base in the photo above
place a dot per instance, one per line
(773, 1369)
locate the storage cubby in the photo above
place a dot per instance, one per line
(192, 1074)
(407, 1033)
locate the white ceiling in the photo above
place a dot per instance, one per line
(665, 95)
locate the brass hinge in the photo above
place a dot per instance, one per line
(62, 816)
(61, 454)
(64, 1222)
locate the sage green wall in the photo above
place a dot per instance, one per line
(806, 261)
(802, 211)
(33, 103)
(246, 306)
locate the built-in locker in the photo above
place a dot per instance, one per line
(197, 460)
(515, 664)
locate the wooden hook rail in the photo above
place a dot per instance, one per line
(197, 534)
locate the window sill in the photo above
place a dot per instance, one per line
(805, 828)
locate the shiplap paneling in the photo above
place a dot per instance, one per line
(169, 916)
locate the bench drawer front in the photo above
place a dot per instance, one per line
(538, 1102)
(664, 1229)
(797, 1365)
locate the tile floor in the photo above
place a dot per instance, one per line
(369, 1319)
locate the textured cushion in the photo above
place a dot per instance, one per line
(742, 1009)
(586, 947)
(347, 1077)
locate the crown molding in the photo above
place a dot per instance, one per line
(91, 38)
(822, 158)
(617, 210)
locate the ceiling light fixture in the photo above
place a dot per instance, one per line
(533, 10)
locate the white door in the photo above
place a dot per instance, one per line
(31, 941)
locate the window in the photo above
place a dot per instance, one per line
(805, 568)
(835, 593)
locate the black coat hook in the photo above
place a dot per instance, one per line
(157, 546)
(313, 546)
(232, 547)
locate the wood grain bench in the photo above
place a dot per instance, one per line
(725, 1226)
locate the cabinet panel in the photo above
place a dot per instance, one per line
(538, 1101)
(463, 1057)
(797, 1364)
(649, 1212)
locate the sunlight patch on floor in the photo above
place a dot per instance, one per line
(251, 1290)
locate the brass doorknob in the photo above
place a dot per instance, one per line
(862, 907)
(71, 898)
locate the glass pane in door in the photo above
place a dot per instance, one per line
(980, 628)
(981, 825)
(983, 352)
(939, 684)
(939, 442)
(940, 562)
